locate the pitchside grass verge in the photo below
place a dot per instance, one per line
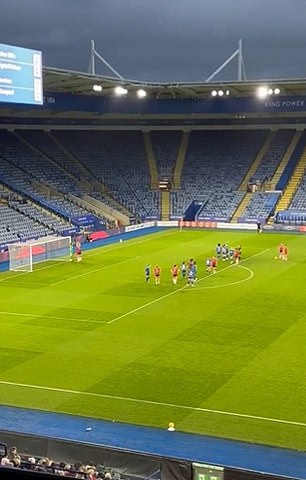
(225, 358)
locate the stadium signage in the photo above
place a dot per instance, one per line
(161, 106)
(139, 226)
(21, 78)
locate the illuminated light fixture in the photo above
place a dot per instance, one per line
(119, 91)
(220, 93)
(97, 88)
(227, 92)
(277, 91)
(270, 91)
(214, 93)
(141, 93)
(262, 92)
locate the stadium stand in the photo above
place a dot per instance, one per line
(216, 162)
(40, 179)
(272, 157)
(260, 207)
(118, 160)
(165, 147)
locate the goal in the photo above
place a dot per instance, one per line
(23, 256)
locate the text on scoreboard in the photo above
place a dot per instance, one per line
(21, 78)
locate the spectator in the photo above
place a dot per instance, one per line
(14, 456)
(5, 462)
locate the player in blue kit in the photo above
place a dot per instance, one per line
(148, 272)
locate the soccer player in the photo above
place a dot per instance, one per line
(224, 250)
(78, 251)
(208, 265)
(71, 249)
(237, 255)
(281, 251)
(231, 254)
(214, 263)
(183, 269)
(148, 272)
(174, 273)
(157, 272)
(190, 277)
(195, 270)
(218, 250)
(285, 253)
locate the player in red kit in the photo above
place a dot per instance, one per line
(174, 273)
(214, 263)
(157, 272)
(281, 251)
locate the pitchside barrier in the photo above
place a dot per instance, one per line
(131, 465)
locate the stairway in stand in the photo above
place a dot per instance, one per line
(151, 160)
(165, 205)
(177, 175)
(283, 163)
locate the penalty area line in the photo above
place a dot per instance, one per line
(153, 403)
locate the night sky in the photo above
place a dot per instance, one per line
(163, 40)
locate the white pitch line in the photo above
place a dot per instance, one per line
(93, 254)
(154, 403)
(229, 284)
(145, 305)
(26, 273)
(47, 317)
(89, 272)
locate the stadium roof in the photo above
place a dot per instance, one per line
(66, 81)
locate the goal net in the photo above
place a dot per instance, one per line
(23, 256)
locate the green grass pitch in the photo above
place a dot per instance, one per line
(225, 358)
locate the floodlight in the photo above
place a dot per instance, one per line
(262, 92)
(227, 92)
(220, 93)
(141, 93)
(119, 91)
(277, 91)
(270, 91)
(97, 88)
(214, 93)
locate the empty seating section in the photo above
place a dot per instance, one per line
(220, 206)
(273, 156)
(56, 224)
(14, 226)
(215, 163)
(36, 165)
(260, 207)
(166, 146)
(299, 200)
(118, 160)
(43, 141)
(33, 175)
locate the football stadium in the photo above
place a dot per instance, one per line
(152, 275)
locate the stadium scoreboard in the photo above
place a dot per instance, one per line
(21, 79)
(207, 472)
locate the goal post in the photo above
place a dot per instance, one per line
(24, 255)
